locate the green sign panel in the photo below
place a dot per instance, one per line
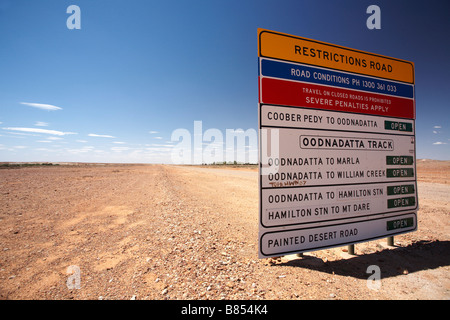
(401, 202)
(400, 172)
(402, 189)
(399, 224)
(398, 126)
(399, 160)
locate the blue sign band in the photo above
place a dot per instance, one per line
(299, 72)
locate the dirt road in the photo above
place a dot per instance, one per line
(167, 232)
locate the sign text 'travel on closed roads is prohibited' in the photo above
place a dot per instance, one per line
(337, 145)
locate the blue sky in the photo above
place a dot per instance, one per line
(116, 89)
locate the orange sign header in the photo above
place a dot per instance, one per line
(282, 46)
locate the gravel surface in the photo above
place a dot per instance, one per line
(170, 232)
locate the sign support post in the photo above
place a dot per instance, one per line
(351, 249)
(390, 241)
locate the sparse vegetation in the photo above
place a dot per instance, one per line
(14, 165)
(230, 164)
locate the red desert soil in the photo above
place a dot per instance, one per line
(170, 232)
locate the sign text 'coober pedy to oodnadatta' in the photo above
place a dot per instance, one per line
(337, 145)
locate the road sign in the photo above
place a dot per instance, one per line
(337, 145)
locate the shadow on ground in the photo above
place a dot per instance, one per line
(421, 255)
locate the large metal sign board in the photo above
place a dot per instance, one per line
(337, 145)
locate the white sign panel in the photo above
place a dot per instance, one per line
(337, 146)
(288, 241)
(326, 205)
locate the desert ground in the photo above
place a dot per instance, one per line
(191, 232)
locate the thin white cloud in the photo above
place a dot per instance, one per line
(81, 141)
(41, 124)
(119, 142)
(435, 132)
(159, 138)
(152, 132)
(437, 127)
(21, 134)
(119, 149)
(43, 141)
(85, 149)
(44, 149)
(42, 106)
(160, 145)
(37, 130)
(54, 138)
(439, 142)
(100, 135)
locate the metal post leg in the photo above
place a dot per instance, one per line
(351, 249)
(390, 241)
